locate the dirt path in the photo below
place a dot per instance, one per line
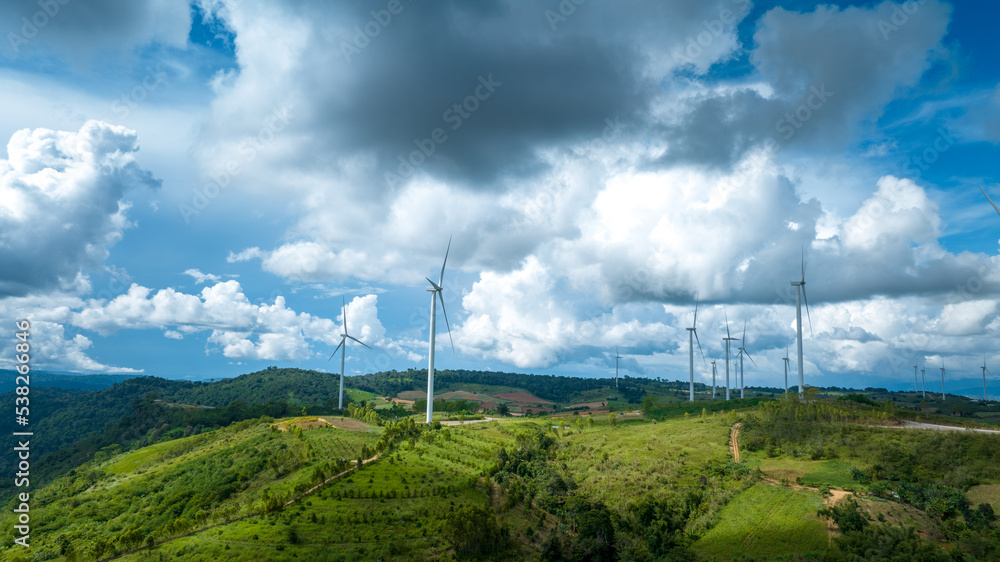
(921, 425)
(734, 442)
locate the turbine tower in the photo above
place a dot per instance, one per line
(942, 379)
(726, 341)
(617, 357)
(916, 388)
(786, 360)
(985, 370)
(800, 295)
(923, 383)
(435, 290)
(743, 352)
(714, 370)
(692, 336)
(342, 346)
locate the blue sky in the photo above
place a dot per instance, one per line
(191, 191)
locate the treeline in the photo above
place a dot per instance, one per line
(549, 387)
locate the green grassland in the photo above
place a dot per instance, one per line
(766, 521)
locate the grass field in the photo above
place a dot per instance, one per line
(766, 521)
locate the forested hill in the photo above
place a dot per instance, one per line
(549, 387)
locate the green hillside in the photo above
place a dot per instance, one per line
(250, 479)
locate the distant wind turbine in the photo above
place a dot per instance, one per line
(342, 346)
(435, 290)
(985, 370)
(942, 379)
(714, 370)
(726, 341)
(923, 383)
(800, 295)
(743, 351)
(916, 388)
(617, 357)
(692, 336)
(990, 200)
(786, 360)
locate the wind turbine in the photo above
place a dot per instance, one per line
(923, 383)
(942, 379)
(714, 370)
(727, 339)
(985, 370)
(800, 295)
(435, 290)
(915, 387)
(342, 346)
(990, 200)
(617, 357)
(692, 336)
(786, 360)
(743, 352)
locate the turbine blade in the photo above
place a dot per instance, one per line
(434, 285)
(359, 341)
(751, 359)
(728, 335)
(694, 324)
(990, 200)
(699, 347)
(806, 300)
(803, 264)
(344, 311)
(337, 349)
(744, 332)
(441, 298)
(441, 279)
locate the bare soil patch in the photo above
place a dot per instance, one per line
(523, 397)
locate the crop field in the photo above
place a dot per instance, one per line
(766, 521)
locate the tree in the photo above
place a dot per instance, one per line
(475, 533)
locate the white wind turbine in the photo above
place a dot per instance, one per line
(435, 290)
(714, 371)
(916, 387)
(726, 341)
(617, 357)
(743, 352)
(923, 383)
(800, 295)
(692, 336)
(942, 379)
(786, 360)
(985, 370)
(342, 346)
